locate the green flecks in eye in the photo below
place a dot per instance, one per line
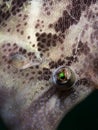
(61, 75)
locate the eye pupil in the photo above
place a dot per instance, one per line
(62, 75)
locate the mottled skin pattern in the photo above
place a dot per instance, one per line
(55, 33)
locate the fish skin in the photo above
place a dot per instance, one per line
(57, 34)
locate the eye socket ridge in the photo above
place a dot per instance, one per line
(63, 77)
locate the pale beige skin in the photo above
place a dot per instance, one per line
(28, 103)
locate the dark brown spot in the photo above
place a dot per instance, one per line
(33, 45)
(31, 78)
(22, 32)
(28, 37)
(25, 23)
(49, 35)
(37, 34)
(36, 66)
(29, 53)
(39, 72)
(41, 54)
(24, 51)
(39, 49)
(20, 49)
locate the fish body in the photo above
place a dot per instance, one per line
(51, 33)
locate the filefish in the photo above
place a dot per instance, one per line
(48, 60)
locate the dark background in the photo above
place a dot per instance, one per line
(83, 117)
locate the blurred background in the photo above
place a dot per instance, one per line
(82, 117)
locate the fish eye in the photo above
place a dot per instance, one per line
(63, 77)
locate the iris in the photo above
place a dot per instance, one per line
(63, 77)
